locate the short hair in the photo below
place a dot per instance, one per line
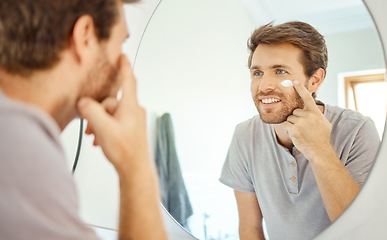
(314, 53)
(33, 32)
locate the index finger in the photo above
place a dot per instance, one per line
(309, 103)
(129, 84)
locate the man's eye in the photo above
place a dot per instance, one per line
(256, 73)
(280, 71)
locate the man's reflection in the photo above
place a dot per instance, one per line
(300, 162)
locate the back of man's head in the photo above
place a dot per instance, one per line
(33, 32)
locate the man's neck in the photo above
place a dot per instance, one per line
(282, 135)
(41, 91)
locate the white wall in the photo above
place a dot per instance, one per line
(349, 52)
(192, 63)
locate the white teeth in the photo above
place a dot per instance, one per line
(270, 100)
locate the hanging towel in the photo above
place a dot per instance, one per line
(173, 192)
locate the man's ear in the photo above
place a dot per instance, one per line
(84, 41)
(315, 80)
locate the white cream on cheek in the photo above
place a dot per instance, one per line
(287, 83)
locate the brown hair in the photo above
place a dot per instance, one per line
(302, 35)
(33, 32)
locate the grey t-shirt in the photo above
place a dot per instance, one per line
(283, 180)
(38, 199)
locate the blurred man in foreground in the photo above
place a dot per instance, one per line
(60, 60)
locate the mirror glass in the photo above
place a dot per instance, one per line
(192, 64)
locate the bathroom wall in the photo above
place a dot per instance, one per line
(364, 45)
(192, 63)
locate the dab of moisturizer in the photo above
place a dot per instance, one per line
(287, 83)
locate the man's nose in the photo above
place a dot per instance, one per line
(267, 84)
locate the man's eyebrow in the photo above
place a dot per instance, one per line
(255, 67)
(280, 66)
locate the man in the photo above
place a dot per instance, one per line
(300, 163)
(59, 60)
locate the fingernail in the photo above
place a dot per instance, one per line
(296, 82)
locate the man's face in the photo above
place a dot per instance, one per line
(271, 64)
(103, 79)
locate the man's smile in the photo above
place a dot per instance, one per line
(269, 100)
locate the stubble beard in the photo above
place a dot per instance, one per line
(102, 81)
(288, 104)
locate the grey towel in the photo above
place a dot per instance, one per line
(174, 194)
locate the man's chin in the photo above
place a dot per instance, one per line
(272, 121)
(273, 118)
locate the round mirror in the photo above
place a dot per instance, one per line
(192, 64)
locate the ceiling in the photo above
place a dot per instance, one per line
(327, 16)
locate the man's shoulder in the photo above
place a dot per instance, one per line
(30, 146)
(346, 123)
(252, 129)
(337, 114)
(26, 127)
(249, 125)
(19, 116)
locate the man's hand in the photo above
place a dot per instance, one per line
(117, 125)
(308, 128)
(310, 132)
(119, 128)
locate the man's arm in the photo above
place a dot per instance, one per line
(120, 129)
(250, 216)
(336, 185)
(310, 132)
